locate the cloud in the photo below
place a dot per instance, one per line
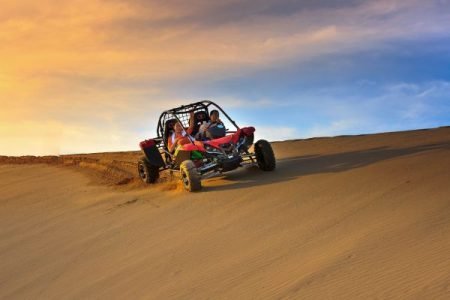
(418, 102)
(77, 38)
(54, 138)
(275, 133)
(399, 106)
(114, 65)
(333, 128)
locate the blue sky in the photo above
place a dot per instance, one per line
(100, 72)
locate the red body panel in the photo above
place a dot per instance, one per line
(247, 131)
(232, 138)
(197, 146)
(223, 140)
(147, 144)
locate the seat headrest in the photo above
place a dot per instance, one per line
(170, 123)
(168, 128)
(201, 116)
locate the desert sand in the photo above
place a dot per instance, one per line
(351, 217)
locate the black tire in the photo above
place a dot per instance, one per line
(190, 177)
(147, 172)
(265, 156)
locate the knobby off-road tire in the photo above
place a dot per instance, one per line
(264, 155)
(190, 177)
(147, 172)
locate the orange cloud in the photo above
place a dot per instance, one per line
(87, 63)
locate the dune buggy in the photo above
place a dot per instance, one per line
(200, 159)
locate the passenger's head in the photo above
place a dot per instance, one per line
(214, 115)
(178, 127)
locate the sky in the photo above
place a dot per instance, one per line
(93, 76)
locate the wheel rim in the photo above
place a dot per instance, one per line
(185, 179)
(141, 170)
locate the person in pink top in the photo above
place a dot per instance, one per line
(180, 136)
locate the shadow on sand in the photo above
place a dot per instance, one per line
(292, 168)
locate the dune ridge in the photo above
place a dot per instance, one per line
(114, 171)
(119, 168)
(357, 217)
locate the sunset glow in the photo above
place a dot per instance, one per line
(88, 76)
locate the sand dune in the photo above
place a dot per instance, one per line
(357, 217)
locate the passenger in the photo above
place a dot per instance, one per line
(206, 128)
(180, 136)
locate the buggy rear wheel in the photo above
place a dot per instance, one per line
(190, 176)
(265, 156)
(147, 172)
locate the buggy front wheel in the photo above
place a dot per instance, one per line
(190, 177)
(265, 156)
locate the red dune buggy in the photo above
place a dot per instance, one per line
(203, 158)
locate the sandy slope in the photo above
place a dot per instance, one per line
(348, 217)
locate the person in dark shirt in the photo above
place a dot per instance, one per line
(213, 128)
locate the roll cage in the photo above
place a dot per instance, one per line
(182, 114)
